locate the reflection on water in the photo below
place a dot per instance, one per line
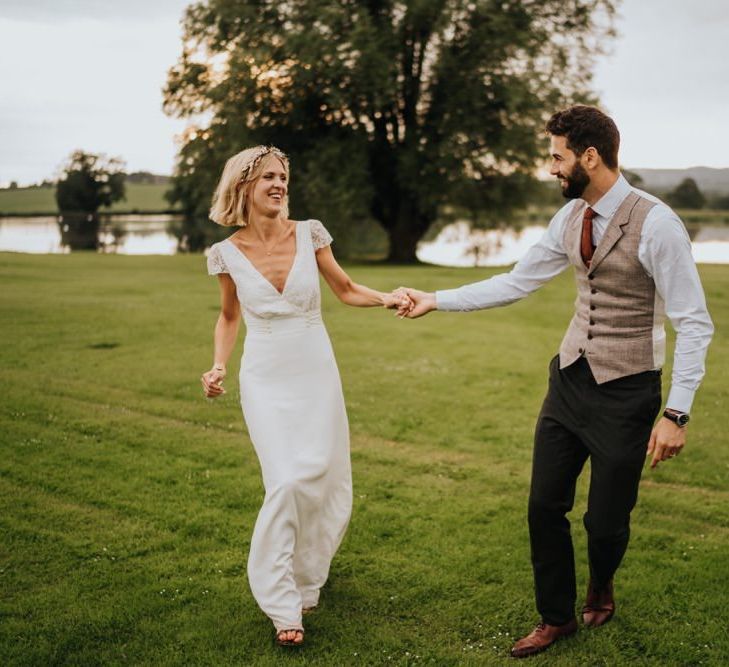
(456, 245)
(125, 235)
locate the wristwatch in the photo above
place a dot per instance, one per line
(678, 418)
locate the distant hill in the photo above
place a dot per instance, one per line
(710, 181)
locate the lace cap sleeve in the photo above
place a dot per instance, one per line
(216, 264)
(320, 237)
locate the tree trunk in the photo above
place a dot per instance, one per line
(404, 237)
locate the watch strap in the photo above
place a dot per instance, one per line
(678, 418)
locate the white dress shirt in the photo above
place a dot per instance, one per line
(664, 252)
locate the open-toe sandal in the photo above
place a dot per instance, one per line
(289, 642)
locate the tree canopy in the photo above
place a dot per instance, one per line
(686, 195)
(390, 110)
(89, 182)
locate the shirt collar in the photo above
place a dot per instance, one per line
(609, 202)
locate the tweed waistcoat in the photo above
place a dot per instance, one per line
(618, 320)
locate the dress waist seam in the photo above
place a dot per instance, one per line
(276, 325)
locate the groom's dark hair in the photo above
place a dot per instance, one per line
(585, 126)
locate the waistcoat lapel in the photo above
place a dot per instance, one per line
(614, 230)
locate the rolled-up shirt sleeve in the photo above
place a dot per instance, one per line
(666, 256)
(544, 260)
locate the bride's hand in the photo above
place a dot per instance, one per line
(212, 382)
(398, 299)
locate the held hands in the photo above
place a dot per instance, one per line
(396, 300)
(412, 303)
(666, 441)
(212, 382)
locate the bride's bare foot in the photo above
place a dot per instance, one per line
(293, 637)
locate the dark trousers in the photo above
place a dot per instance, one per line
(610, 423)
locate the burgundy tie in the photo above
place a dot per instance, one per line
(586, 248)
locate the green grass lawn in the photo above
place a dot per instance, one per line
(147, 197)
(128, 499)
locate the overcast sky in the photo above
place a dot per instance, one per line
(88, 74)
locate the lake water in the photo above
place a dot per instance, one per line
(457, 245)
(126, 235)
(454, 246)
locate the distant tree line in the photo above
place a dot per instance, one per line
(720, 202)
(146, 178)
(135, 177)
(46, 183)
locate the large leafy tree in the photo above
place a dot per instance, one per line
(389, 110)
(88, 182)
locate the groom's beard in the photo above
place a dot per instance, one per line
(575, 183)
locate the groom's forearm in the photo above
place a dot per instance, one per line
(459, 299)
(499, 290)
(446, 300)
(542, 262)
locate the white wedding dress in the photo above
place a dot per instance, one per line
(293, 406)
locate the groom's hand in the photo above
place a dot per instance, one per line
(666, 441)
(422, 303)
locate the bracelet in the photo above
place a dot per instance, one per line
(219, 367)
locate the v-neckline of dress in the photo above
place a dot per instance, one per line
(260, 275)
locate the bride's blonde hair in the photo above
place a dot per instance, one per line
(230, 201)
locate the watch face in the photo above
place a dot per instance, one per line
(681, 418)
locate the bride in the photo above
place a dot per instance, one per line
(290, 389)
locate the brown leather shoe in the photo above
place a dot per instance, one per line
(599, 605)
(542, 637)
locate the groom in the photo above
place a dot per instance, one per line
(633, 266)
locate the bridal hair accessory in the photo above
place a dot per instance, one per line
(261, 152)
